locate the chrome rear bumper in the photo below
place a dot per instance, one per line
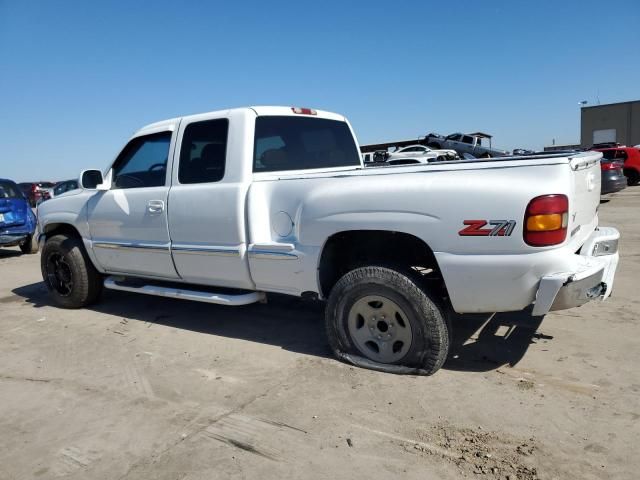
(592, 278)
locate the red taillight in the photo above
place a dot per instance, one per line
(303, 111)
(610, 166)
(546, 220)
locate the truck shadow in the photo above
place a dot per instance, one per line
(484, 342)
(480, 343)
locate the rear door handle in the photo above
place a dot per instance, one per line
(155, 206)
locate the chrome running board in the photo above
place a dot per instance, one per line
(245, 298)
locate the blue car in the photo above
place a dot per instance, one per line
(17, 221)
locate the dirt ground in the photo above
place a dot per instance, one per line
(140, 387)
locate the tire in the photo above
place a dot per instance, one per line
(29, 246)
(379, 289)
(70, 277)
(633, 177)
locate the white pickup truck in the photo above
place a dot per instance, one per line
(222, 207)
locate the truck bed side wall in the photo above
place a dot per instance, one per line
(431, 205)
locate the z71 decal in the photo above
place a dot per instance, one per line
(497, 228)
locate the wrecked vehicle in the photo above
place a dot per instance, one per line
(224, 207)
(462, 143)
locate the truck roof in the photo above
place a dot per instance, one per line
(480, 135)
(255, 110)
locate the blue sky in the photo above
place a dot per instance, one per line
(78, 77)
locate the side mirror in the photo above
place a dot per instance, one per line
(90, 179)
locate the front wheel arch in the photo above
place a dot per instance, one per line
(61, 229)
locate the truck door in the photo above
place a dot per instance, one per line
(207, 202)
(128, 222)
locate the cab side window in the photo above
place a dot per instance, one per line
(143, 162)
(204, 151)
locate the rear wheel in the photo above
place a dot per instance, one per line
(70, 277)
(383, 315)
(29, 246)
(633, 177)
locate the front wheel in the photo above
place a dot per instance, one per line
(29, 246)
(382, 315)
(70, 277)
(633, 177)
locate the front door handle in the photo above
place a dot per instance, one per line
(155, 206)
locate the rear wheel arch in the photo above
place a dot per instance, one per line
(347, 250)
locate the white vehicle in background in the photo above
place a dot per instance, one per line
(394, 162)
(62, 187)
(223, 207)
(424, 151)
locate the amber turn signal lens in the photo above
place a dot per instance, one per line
(544, 223)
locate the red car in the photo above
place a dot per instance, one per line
(630, 156)
(36, 192)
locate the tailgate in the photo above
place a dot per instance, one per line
(584, 197)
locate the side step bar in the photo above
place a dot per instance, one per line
(113, 283)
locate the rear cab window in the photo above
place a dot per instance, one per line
(621, 155)
(299, 143)
(608, 154)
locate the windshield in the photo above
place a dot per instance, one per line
(9, 190)
(297, 143)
